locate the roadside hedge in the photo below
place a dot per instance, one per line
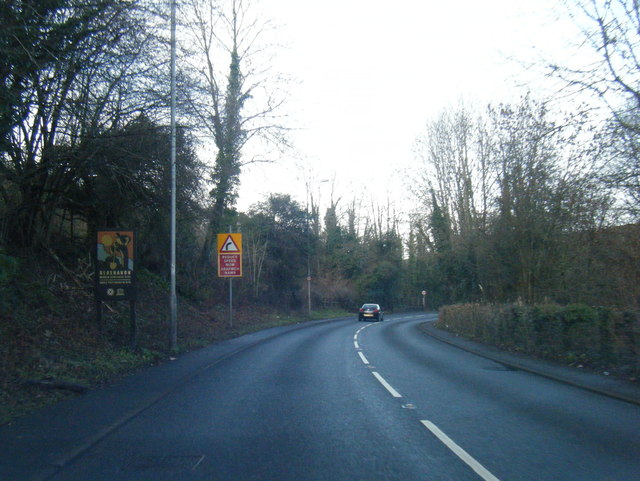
(603, 338)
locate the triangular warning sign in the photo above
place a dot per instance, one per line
(229, 245)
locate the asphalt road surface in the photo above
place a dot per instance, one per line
(345, 400)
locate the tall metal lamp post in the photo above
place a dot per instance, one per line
(173, 330)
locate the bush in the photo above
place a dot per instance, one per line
(9, 267)
(548, 331)
(575, 333)
(581, 333)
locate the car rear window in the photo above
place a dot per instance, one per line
(370, 306)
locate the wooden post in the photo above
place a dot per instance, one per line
(99, 320)
(133, 326)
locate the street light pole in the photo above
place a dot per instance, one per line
(308, 286)
(308, 257)
(173, 298)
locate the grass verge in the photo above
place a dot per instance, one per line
(50, 349)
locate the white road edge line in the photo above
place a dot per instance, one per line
(364, 359)
(461, 453)
(387, 386)
(356, 345)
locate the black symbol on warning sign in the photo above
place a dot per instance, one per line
(229, 245)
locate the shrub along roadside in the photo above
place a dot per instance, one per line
(599, 338)
(51, 361)
(50, 348)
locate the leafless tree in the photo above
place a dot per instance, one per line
(455, 173)
(233, 95)
(91, 80)
(607, 64)
(607, 57)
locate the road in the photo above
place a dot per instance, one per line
(343, 400)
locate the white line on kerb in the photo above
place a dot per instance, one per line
(364, 359)
(387, 386)
(356, 345)
(461, 453)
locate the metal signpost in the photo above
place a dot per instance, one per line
(230, 262)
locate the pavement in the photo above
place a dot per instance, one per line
(596, 382)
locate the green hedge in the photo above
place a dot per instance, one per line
(9, 267)
(599, 337)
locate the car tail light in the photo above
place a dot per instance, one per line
(376, 310)
(361, 309)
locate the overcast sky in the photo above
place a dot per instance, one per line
(368, 75)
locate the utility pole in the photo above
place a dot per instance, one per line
(174, 301)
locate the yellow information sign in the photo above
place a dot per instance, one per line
(115, 273)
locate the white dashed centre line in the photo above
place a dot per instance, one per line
(364, 359)
(387, 386)
(461, 453)
(446, 440)
(382, 381)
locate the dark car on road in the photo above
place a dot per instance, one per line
(371, 312)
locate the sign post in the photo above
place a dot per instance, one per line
(115, 278)
(230, 262)
(424, 300)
